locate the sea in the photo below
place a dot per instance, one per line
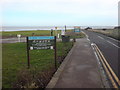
(29, 28)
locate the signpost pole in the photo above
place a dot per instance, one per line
(51, 32)
(56, 31)
(55, 54)
(28, 56)
(65, 28)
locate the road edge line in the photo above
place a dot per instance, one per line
(86, 35)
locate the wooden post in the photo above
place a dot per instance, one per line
(28, 56)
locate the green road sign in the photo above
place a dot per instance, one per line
(77, 29)
(41, 42)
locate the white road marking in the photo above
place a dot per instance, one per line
(86, 36)
(88, 39)
(103, 39)
(100, 37)
(113, 39)
(109, 42)
(92, 44)
(113, 44)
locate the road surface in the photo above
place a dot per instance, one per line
(109, 47)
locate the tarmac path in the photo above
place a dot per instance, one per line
(12, 40)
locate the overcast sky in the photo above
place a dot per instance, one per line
(59, 12)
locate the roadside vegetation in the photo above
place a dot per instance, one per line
(14, 61)
(78, 35)
(114, 33)
(75, 35)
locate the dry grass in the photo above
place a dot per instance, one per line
(114, 33)
(28, 80)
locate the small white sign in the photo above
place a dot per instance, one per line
(62, 32)
(58, 35)
(18, 35)
(51, 47)
(31, 48)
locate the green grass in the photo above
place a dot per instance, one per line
(24, 33)
(37, 33)
(14, 61)
(28, 33)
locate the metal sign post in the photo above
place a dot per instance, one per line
(65, 28)
(28, 55)
(55, 53)
(51, 32)
(56, 30)
(41, 42)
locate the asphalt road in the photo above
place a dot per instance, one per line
(109, 47)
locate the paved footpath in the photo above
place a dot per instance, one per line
(81, 70)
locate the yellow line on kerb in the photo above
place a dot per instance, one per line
(114, 75)
(110, 76)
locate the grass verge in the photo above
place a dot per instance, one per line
(15, 72)
(7, 34)
(75, 35)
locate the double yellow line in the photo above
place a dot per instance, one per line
(112, 76)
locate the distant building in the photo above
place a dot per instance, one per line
(88, 28)
(117, 27)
